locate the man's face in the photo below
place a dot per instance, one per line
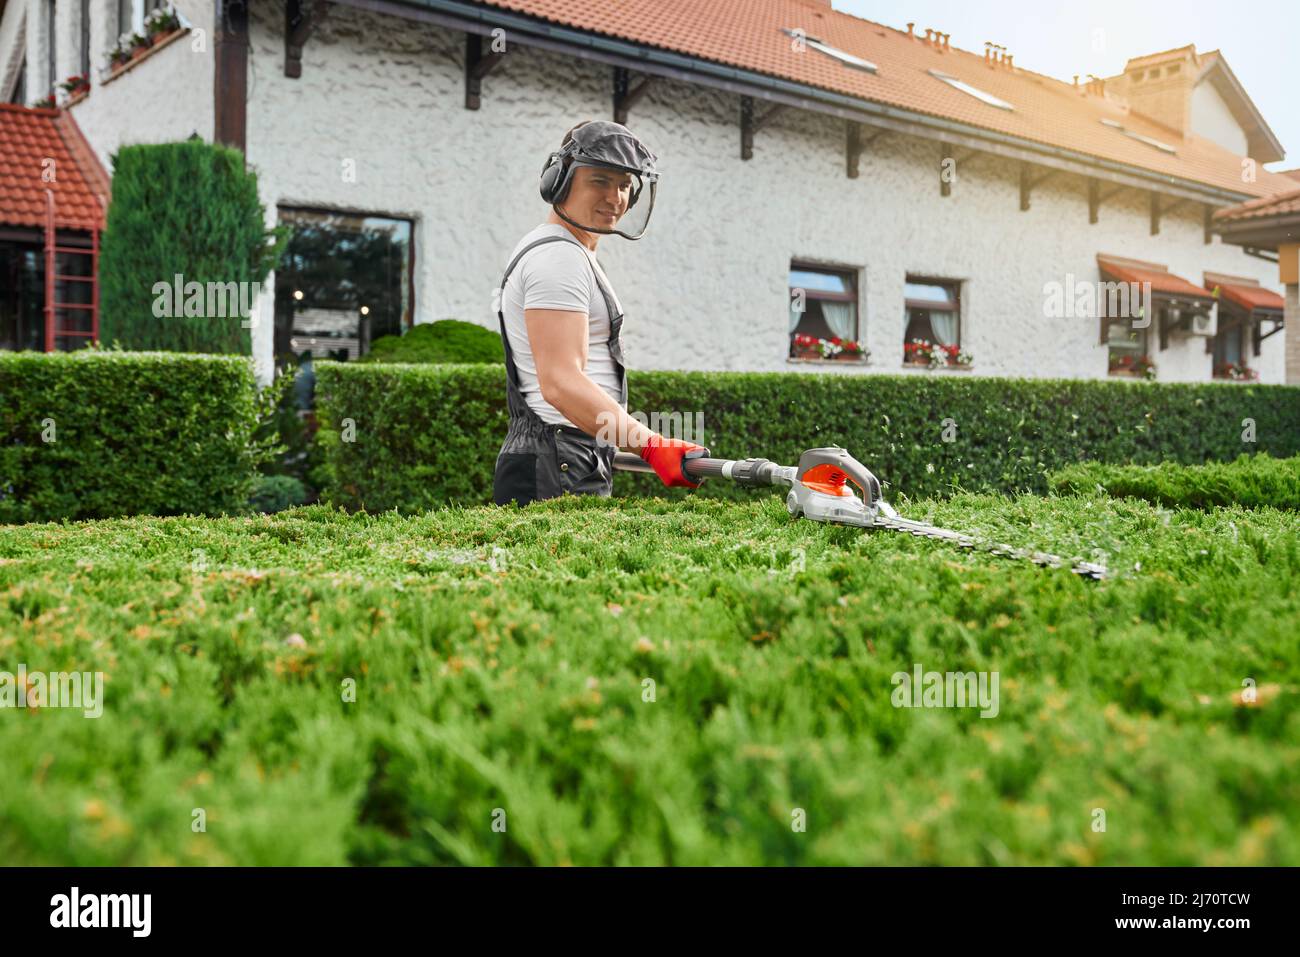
(598, 197)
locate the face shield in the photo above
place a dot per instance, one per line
(606, 181)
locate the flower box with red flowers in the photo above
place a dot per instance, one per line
(1134, 367)
(835, 349)
(922, 352)
(1236, 372)
(74, 86)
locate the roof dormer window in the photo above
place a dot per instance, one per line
(974, 91)
(821, 46)
(1149, 141)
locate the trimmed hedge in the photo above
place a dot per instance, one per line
(1252, 481)
(92, 434)
(447, 340)
(426, 436)
(500, 661)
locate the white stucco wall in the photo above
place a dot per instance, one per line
(166, 98)
(1212, 119)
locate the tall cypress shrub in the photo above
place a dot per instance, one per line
(189, 209)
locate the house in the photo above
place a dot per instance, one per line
(1269, 227)
(823, 176)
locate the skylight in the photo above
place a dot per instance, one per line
(1115, 125)
(976, 92)
(821, 46)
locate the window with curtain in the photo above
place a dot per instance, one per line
(829, 300)
(126, 23)
(1228, 350)
(344, 281)
(933, 309)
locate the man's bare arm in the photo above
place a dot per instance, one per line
(559, 343)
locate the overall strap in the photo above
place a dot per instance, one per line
(611, 304)
(615, 317)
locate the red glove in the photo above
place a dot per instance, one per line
(666, 457)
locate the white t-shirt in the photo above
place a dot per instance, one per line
(557, 276)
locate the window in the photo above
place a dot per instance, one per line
(22, 294)
(84, 68)
(131, 14)
(50, 45)
(1128, 351)
(19, 94)
(1131, 339)
(823, 305)
(1229, 356)
(344, 281)
(933, 311)
(974, 91)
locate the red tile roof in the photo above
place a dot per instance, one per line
(1161, 279)
(1275, 205)
(1248, 296)
(29, 139)
(747, 34)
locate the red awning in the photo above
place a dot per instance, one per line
(1163, 282)
(1248, 297)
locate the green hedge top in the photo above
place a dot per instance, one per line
(1251, 481)
(93, 434)
(427, 436)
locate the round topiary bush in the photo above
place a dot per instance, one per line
(275, 493)
(447, 340)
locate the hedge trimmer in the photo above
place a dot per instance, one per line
(819, 490)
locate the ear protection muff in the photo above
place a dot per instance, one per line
(555, 180)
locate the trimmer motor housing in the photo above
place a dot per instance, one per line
(820, 488)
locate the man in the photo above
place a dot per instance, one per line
(566, 387)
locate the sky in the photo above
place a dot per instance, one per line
(1259, 39)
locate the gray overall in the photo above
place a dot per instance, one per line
(540, 461)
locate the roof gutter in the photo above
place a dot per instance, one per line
(1267, 232)
(530, 31)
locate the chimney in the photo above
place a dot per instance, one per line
(988, 56)
(929, 36)
(946, 38)
(1011, 62)
(1160, 86)
(910, 34)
